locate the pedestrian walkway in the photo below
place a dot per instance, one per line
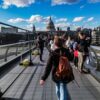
(27, 87)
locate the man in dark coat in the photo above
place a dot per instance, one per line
(41, 47)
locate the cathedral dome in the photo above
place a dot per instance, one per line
(50, 26)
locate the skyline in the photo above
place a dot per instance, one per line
(64, 13)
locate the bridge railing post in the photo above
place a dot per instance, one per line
(6, 54)
(17, 50)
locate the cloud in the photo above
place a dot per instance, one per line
(62, 25)
(81, 7)
(40, 29)
(59, 2)
(24, 3)
(31, 20)
(94, 1)
(18, 3)
(35, 18)
(43, 21)
(29, 26)
(61, 20)
(39, 18)
(17, 20)
(90, 19)
(78, 19)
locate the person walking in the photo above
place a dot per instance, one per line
(52, 64)
(41, 47)
(82, 51)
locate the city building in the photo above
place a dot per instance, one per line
(96, 36)
(50, 27)
(9, 30)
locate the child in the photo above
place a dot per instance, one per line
(75, 54)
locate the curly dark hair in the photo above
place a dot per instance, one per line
(58, 42)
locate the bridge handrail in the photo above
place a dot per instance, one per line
(23, 46)
(97, 59)
(2, 46)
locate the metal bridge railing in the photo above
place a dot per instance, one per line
(8, 52)
(94, 57)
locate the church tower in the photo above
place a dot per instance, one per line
(34, 29)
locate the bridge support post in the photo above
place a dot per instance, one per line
(30, 63)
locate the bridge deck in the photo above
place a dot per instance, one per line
(26, 86)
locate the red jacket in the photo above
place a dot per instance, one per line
(75, 53)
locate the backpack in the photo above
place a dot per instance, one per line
(64, 72)
(88, 40)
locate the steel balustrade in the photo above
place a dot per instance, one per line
(15, 49)
(94, 58)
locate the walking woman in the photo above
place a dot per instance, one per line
(52, 64)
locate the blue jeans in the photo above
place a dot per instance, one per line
(61, 91)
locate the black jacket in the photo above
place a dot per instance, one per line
(53, 62)
(41, 43)
(83, 46)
